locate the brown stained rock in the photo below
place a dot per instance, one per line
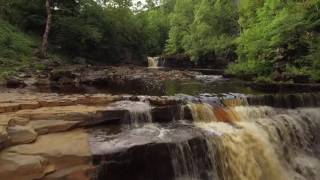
(81, 172)
(54, 103)
(29, 105)
(15, 166)
(71, 143)
(18, 121)
(67, 113)
(52, 126)
(15, 106)
(21, 134)
(5, 119)
(3, 136)
(9, 107)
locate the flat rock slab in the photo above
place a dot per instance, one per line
(51, 126)
(18, 166)
(50, 153)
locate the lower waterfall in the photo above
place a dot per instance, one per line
(261, 142)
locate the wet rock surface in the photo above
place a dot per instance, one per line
(147, 152)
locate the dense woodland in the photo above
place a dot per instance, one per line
(273, 40)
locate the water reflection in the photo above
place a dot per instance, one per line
(196, 87)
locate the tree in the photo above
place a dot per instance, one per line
(44, 44)
(180, 20)
(213, 29)
(279, 39)
(199, 28)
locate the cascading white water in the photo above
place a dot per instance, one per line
(139, 112)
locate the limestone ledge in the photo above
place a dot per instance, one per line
(43, 135)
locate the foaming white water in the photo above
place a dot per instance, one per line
(209, 78)
(139, 112)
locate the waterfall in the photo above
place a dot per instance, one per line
(153, 62)
(202, 112)
(253, 140)
(226, 137)
(156, 62)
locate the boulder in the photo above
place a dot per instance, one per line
(15, 83)
(15, 166)
(21, 134)
(67, 153)
(66, 144)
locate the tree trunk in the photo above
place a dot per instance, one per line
(44, 45)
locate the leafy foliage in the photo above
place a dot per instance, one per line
(15, 48)
(272, 39)
(278, 31)
(202, 27)
(13, 43)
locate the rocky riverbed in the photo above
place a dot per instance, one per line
(140, 80)
(73, 79)
(91, 123)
